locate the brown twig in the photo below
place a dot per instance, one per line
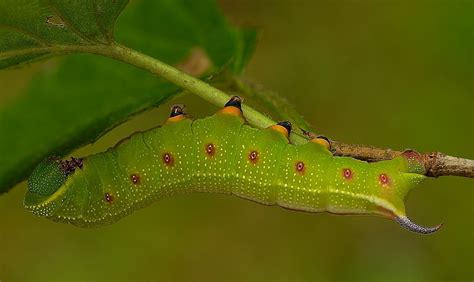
(435, 163)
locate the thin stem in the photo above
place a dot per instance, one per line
(188, 82)
(57, 50)
(436, 163)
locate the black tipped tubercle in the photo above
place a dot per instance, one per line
(235, 101)
(177, 110)
(324, 138)
(286, 125)
(406, 223)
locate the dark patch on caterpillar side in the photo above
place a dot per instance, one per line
(253, 157)
(68, 167)
(210, 149)
(168, 159)
(299, 166)
(347, 173)
(108, 197)
(135, 178)
(384, 179)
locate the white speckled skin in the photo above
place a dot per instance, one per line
(222, 154)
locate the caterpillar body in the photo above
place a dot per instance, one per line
(220, 154)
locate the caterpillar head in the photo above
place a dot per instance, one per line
(50, 174)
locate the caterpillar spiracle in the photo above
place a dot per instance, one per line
(221, 154)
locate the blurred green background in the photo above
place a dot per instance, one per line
(392, 74)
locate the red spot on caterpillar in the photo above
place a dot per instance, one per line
(108, 197)
(383, 178)
(135, 178)
(347, 173)
(253, 157)
(168, 159)
(210, 149)
(300, 167)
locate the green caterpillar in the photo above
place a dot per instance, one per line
(220, 154)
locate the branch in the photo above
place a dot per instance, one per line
(435, 163)
(185, 81)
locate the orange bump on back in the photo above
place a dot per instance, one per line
(283, 127)
(231, 110)
(176, 114)
(280, 129)
(175, 118)
(233, 107)
(322, 141)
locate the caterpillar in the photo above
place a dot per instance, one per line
(221, 154)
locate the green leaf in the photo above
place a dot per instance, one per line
(32, 29)
(81, 97)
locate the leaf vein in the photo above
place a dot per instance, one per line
(27, 33)
(59, 49)
(101, 27)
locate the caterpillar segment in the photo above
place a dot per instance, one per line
(221, 154)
